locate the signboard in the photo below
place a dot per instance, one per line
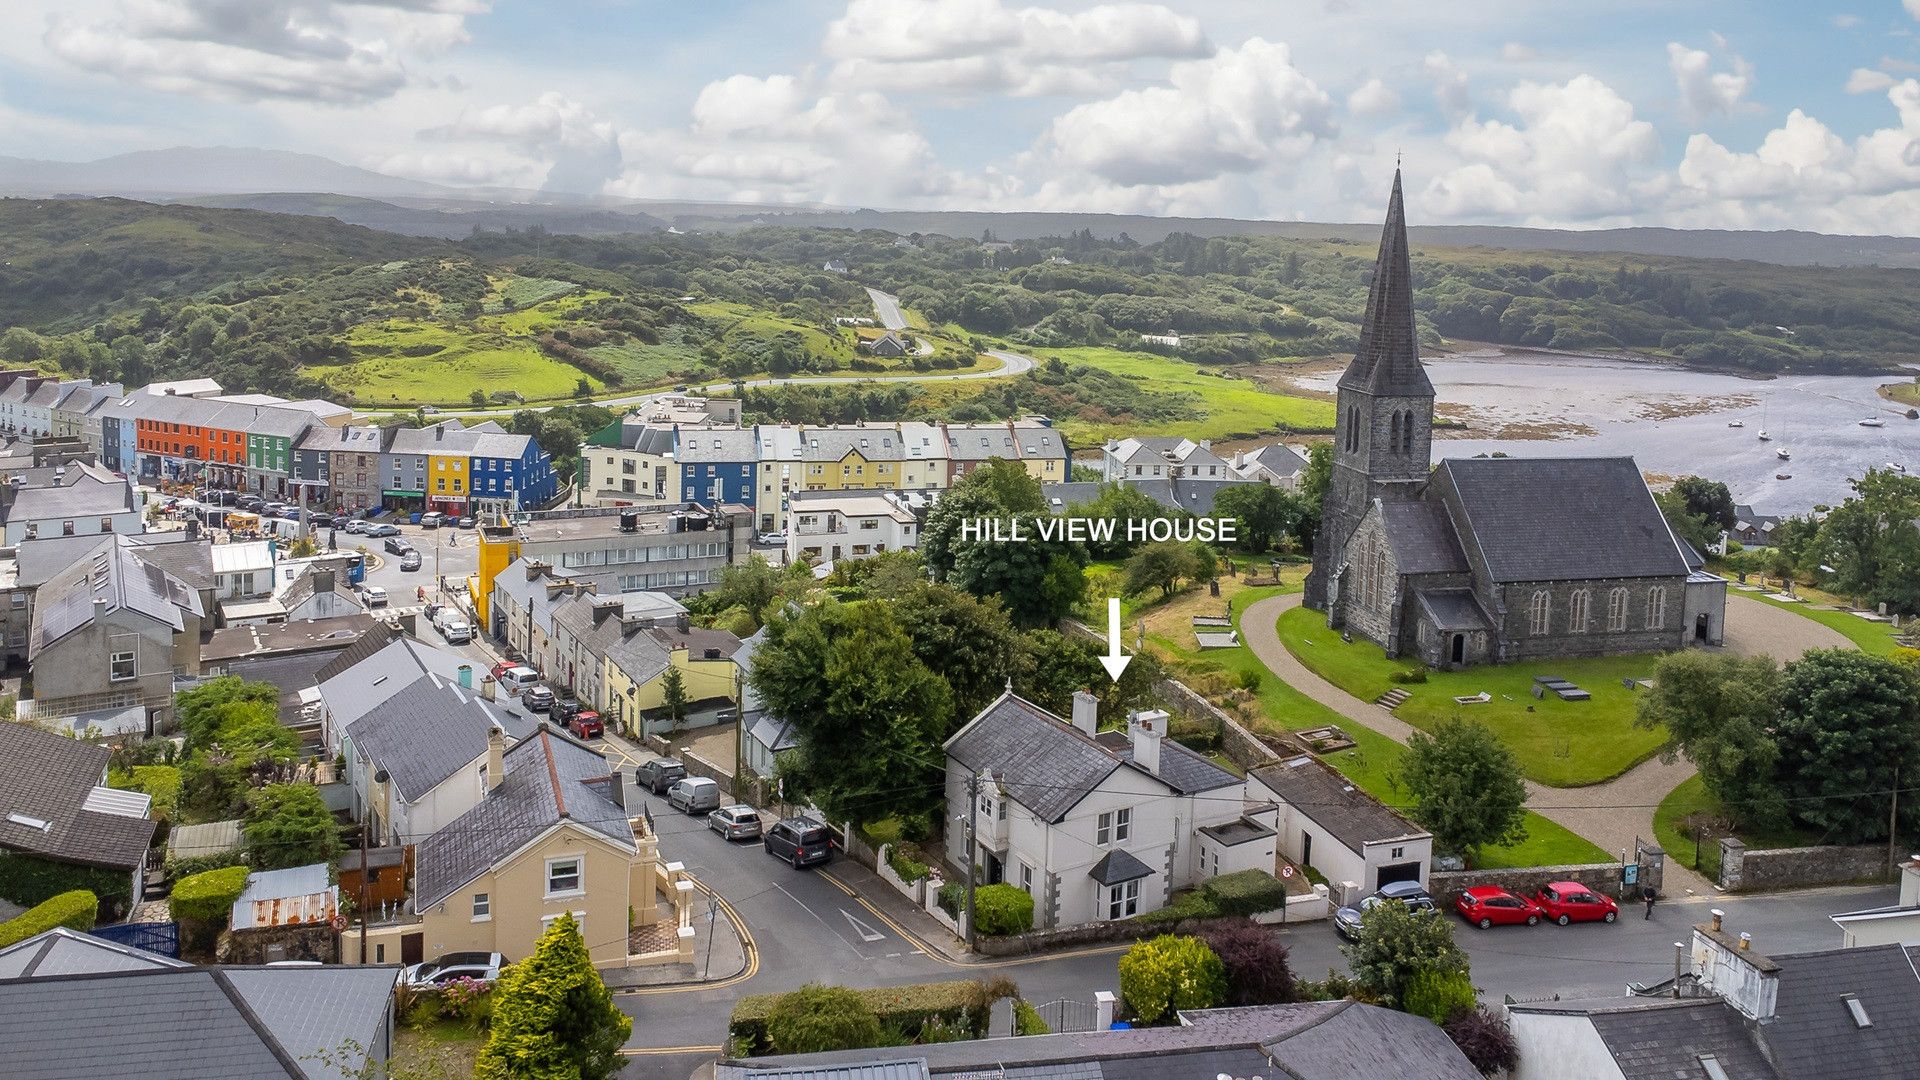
(1630, 874)
(1286, 871)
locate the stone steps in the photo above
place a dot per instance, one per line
(1392, 699)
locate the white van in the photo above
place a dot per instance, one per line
(515, 679)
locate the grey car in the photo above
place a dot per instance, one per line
(735, 822)
(1346, 920)
(659, 774)
(694, 794)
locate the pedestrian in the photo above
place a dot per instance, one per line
(1648, 894)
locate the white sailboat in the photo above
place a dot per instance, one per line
(1873, 421)
(1764, 437)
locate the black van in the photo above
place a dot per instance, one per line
(800, 841)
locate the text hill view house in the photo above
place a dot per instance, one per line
(1485, 559)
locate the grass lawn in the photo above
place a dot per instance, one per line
(1561, 743)
(1230, 406)
(1872, 637)
(1692, 797)
(1374, 759)
(441, 1048)
(407, 361)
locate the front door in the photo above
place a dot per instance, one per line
(1459, 648)
(1701, 624)
(1306, 849)
(412, 948)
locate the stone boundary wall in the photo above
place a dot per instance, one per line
(1447, 885)
(696, 765)
(1300, 909)
(1798, 868)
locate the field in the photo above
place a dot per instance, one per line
(1691, 797)
(1374, 761)
(1906, 393)
(407, 361)
(1560, 743)
(1229, 406)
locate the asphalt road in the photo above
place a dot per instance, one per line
(886, 307)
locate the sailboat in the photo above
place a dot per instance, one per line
(1782, 454)
(1764, 437)
(1873, 421)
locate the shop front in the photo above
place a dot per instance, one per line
(400, 500)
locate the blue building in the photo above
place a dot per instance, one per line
(119, 435)
(717, 465)
(508, 472)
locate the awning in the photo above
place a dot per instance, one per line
(1117, 868)
(398, 493)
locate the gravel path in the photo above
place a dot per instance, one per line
(1612, 814)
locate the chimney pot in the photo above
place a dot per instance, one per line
(466, 676)
(1147, 729)
(1718, 915)
(1746, 941)
(1086, 713)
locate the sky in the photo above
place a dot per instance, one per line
(1566, 113)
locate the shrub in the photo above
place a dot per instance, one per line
(1244, 892)
(905, 866)
(74, 910)
(953, 898)
(553, 1016)
(1411, 675)
(1484, 1038)
(1248, 680)
(289, 825)
(1437, 995)
(1397, 944)
(200, 864)
(28, 880)
(209, 896)
(880, 833)
(160, 782)
(905, 1009)
(1255, 962)
(1026, 1019)
(1002, 909)
(1168, 974)
(818, 1018)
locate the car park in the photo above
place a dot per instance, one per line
(1571, 902)
(432, 519)
(537, 698)
(800, 841)
(1487, 906)
(466, 523)
(735, 822)
(452, 967)
(383, 530)
(694, 795)
(659, 774)
(1346, 920)
(376, 595)
(410, 561)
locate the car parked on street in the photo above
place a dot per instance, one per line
(451, 967)
(432, 519)
(410, 561)
(659, 774)
(457, 630)
(1488, 906)
(383, 529)
(516, 678)
(376, 595)
(537, 698)
(1346, 920)
(585, 723)
(694, 794)
(800, 841)
(735, 822)
(466, 523)
(1570, 902)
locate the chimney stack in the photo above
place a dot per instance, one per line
(466, 676)
(1147, 729)
(1746, 941)
(496, 756)
(1718, 915)
(1086, 713)
(487, 686)
(683, 622)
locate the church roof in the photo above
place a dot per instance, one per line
(1388, 360)
(1422, 538)
(1561, 519)
(1452, 609)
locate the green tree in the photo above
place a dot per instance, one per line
(478, 398)
(1721, 711)
(967, 641)
(1872, 543)
(289, 825)
(553, 1017)
(1039, 582)
(868, 714)
(753, 586)
(1265, 515)
(1050, 666)
(1122, 503)
(1167, 974)
(1313, 488)
(1437, 995)
(1397, 944)
(1694, 529)
(1850, 723)
(817, 1018)
(1008, 483)
(20, 345)
(1707, 499)
(1466, 787)
(1160, 566)
(673, 694)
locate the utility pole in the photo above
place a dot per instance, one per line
(973, 823)
(1893, 820)
(363, 891)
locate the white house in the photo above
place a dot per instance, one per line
(421, 756)
(831, 528)
(1127, 460)
(1897, 923)
(1327, 823)
(77, 499)
(1276, 465)
(1093, 825)
(320, 592)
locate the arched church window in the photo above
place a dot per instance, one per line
(1657, 608)
(1616, 610)
(1540, 613)
(1579, 608)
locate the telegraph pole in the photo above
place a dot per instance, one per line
(1893, 820)
(973, 823)
(363, 891)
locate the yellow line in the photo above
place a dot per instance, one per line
(650, 1051)
(939, 957)
(748, 947)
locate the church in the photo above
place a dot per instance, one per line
(1485, 560)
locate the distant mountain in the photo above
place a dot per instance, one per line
(203, 170)
(450, 219)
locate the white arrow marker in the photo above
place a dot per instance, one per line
(867, 933)
(1114, 661)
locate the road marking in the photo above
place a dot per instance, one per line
(867, 933)
(939, 957)
(650, 1051)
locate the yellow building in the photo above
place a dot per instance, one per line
(633, 675)
(447, 484)
(549, 838)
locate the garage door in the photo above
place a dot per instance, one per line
(1406, 871)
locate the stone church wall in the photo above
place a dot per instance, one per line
(1523, 644)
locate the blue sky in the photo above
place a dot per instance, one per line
(1725, 113)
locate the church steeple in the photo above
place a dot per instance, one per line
(1388, 360)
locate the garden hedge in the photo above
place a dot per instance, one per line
(1002, 909)
(1245, 892)
(209, 896)
(28, 880)
(905, 1009)
(74, 910)
(199, 864)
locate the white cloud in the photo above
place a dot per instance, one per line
(1514, 52)
(580, 151)
(1845, 21)
(1233, 112)
(1449, 84)
(984, 46)
(1705, 92)
(1913, 8)
(1868, 81)
(327, 51)
(1373, 98)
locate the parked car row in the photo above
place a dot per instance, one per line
(800, 841)
(1488, 906)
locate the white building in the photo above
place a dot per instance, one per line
(1127, 460)
(68, 500)
(1095, 825)
(829, 528)
(1347, 835)
(1276, 465)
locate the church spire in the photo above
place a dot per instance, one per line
(1388, 361)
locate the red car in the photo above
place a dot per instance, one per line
(587, 725)
(503, 667)
(1490, 905)
(1570, 901)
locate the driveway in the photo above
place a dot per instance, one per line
(886, 307)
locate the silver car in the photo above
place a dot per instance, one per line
(735, 822)
(694, 795)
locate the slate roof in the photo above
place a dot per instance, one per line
(1118, 866)
(61, 951)
(428, 730)
(191, 1023)
(109, 572)
(1322, 1040)
(645, 438)
(1813, 1035)
(1387, 363)
(546, 782)
(1539, 519)
(1421, 537)
(369, 673)
(906, 1069)
(49, 777)
(1044, 763)
(1452, 609)
(1277, 458)
(1352, 816)
(1661, 1038)
(1180, 768)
